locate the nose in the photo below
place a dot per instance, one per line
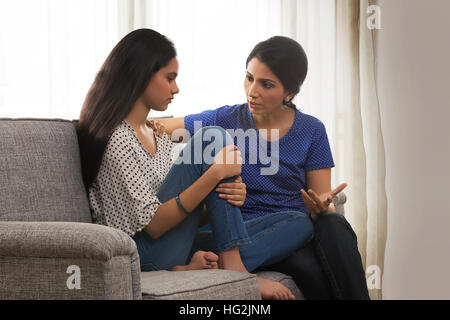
(251, 91)
(175, 88)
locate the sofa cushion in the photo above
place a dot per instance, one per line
(40, 172)
(199, 285)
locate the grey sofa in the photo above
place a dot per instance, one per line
(49, 247)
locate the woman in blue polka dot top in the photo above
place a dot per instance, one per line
(286, 167)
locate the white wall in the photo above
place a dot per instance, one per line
(413, 74)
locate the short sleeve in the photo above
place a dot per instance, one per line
(128, 201)
(193, 122)
(319, 153)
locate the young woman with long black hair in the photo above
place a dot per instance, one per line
(134, 187)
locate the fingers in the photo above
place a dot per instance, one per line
(230, 187)
(230, 147)
(309, 203)
(228, 155)
(157, 127)
(322, 205)
(234, 192)
(235, 196)
(233, 149)
(231, 194)
(338, 189)
(239, 203)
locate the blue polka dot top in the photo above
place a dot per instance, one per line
(274, 180)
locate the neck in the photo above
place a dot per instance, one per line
(271, 119)
(138, 115)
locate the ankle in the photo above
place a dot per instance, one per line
(231, 260)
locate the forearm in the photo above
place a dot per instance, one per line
(169, 214)
(197, 192)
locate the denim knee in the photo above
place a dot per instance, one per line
(308, 226)
(305, 225)
(216, 131)
(333, 222)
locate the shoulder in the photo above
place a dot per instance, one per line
(231, 110)
(307, 124)
(121, 141)
(232, 116)
(228, 116)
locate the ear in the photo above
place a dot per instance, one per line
(289, 97)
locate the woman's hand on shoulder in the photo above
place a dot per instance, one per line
(234, 192)
(157, 127)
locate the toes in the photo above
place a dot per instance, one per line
(211, 256)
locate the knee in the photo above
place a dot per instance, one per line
(333, 222)
(304, 224)
(215, 134)
(331, 217)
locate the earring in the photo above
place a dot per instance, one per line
(288, 103)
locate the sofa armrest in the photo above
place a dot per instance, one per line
(67, 260)
(339, 202)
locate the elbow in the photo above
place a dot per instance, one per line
(153, 232)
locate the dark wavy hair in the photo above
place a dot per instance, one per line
(122, 79)
(286, 59)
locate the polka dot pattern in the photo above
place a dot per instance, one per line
(304, 148)
(123, 194)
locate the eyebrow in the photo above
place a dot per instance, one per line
(262, 79)
(174, 74)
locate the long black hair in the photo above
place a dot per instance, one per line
(286, 58)
(122, 79)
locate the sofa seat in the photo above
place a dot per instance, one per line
(208, 285)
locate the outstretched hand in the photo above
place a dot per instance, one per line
(317, 204)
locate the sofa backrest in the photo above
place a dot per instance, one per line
(40, 172)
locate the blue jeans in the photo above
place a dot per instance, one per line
(265, 240)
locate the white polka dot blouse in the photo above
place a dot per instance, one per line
(123, 194)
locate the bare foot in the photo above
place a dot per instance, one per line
(274, 290)
(200, 260)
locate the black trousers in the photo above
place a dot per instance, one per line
(329, 266)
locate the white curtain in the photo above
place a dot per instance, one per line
(375, 153)
(361, 159)
(341, 90)
(312, 24)
(50, 51)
